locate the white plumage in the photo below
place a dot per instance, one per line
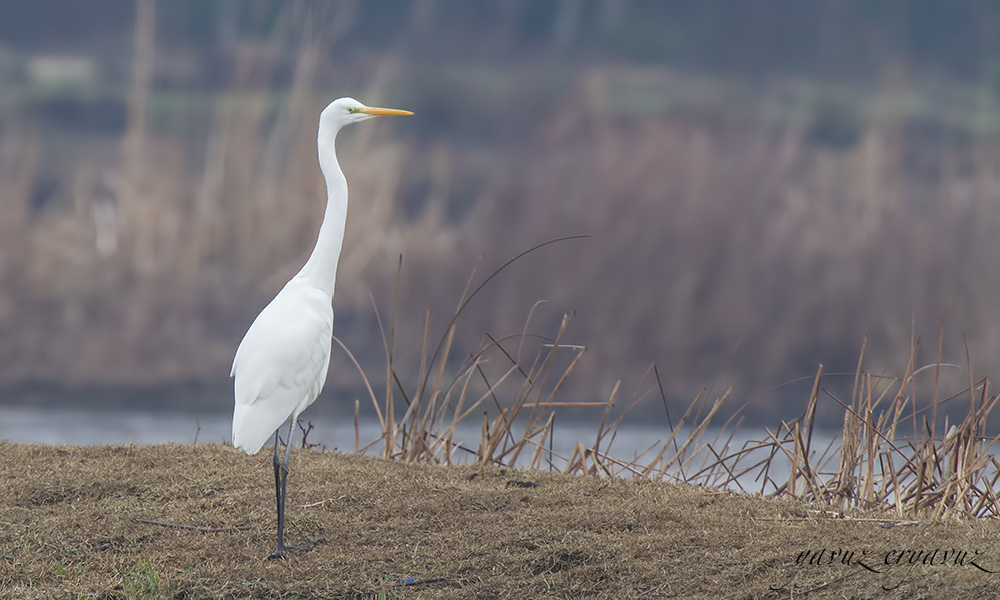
(281, 364)
(284, 366)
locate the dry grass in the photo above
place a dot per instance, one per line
(73, 526)
(888, 454)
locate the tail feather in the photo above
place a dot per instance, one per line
(251, 433)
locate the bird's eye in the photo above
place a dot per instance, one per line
(352, 109)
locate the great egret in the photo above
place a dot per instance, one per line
(280, 366)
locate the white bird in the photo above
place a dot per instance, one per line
(281, 364)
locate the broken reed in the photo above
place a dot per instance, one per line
(869, 463)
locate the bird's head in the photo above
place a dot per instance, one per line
(336, 115)
(344, 111)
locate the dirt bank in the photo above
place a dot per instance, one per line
(71, 525)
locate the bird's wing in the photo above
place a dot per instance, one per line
(280, 366)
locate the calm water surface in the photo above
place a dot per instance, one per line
(75, 426)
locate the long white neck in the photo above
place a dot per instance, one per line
(320, 271)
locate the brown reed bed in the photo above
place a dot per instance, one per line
(153, 247)
(889, 453)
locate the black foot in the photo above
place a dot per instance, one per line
(279, 552)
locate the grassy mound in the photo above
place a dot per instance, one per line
(76, 522)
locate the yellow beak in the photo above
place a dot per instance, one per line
(385, 112)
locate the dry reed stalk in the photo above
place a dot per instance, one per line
(656, 463)
(678, 456)
(390, 346)
(134, 147)
(364, 379)
(536, 457)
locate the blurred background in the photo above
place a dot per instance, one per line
(763, 185)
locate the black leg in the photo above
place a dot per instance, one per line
(281, 492)
(279, 550)
(284, 489)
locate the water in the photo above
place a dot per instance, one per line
(87, 427)
(83, 427)
(90, 427)
(76, 426)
